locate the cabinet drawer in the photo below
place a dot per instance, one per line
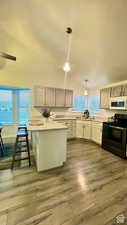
(84, 122)
(96, 123)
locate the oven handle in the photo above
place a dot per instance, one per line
(120, 128)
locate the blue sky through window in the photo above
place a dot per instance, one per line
(80, 103)
(6, 106)
(23, 106)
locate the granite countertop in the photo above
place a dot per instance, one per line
(65, 118)
(47, 126)
(100, 120)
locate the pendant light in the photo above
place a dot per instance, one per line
(86, 91)
(67, 66)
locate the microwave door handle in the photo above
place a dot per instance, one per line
(120, 128)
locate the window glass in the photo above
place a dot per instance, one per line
(22, 106)
(6, 106)
(94, 103)
(79, 103)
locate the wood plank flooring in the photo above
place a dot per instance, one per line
(91, 189)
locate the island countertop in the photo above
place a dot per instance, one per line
(47, 126)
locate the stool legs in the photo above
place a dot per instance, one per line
(18, 149)
(1, 145)
(14, 153)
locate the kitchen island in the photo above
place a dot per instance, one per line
(49, 145)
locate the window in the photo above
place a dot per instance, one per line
(6, 106)
(80, 103)
(22, 106)
(94, 103)
(14, 105)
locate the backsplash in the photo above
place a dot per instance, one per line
(36, 112)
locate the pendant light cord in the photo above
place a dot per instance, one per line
(69, 48)
(68, 31)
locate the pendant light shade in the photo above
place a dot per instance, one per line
(67, 67)
(85, 92)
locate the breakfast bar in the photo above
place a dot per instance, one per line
(49, 145)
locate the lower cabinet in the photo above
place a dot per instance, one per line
(79, 129)
(91, 130)
(83, 129)
(71, 125)
(96, 132)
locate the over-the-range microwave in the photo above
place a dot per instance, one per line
(118, 103)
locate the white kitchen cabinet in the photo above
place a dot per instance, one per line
(116, 91)
(39, 96)
(96, 132)
(83, 129)
(50, 96)
(68, 98)
(87, 131)
(124, 90)
(105, 98)
(71, 125)
(79, 129)
(91, 130)
(60, 97)
(49, 146)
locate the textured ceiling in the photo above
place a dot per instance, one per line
(99, 40)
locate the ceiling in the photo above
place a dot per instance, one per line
(99, 38)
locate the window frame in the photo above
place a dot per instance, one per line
(87, 104)
(15, 93)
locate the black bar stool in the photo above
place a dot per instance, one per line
(21, 145)
(1, 143)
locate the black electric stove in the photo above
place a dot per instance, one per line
(114, 135)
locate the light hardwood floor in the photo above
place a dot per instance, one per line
(91, 189)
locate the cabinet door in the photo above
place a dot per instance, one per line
(79, 130)
(86, 131)
(105, 98)
(97, 133)
(116, 91)
(71, 124)
(50, 96)
(68, 98)
(60, 97)
(39, 96)
(124, 90)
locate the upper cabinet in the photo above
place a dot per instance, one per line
(60, 97)
(116, 91)
(124, 90)
(105, 98)
(68, 98)
(39, 96)
(52, 97)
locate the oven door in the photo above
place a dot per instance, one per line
(114, 139)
